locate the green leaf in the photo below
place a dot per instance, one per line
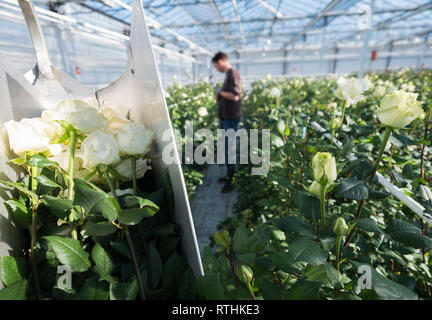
(209, 287)
(309, 206)
(407, 234)
(70, 253)
(20, 187)
(104, 262)
(124, 290)
(363, 170)
(247, 258)
(304, 290)
(294, 224)
(40, 161)
(326, 274)
(12, 269)
(186, 289)
(346, 149)
(94, 289)
(136, 209)
(98, 229)
(400, 181)
(59, 207)
(17, 291)
(240, 240)
(276, 141)
(270, 291)
(282, 261)
(368, 225)
(305, 250)
(45, 181)
(173, 271)
(156, 264)
(354, 189)
(424, 196)
(20, 212)
(94, 200)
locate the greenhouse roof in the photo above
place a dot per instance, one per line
(207, 26)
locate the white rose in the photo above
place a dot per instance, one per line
(324, 166)
(125, 168)
(98, 148)
(33, 136)
(79, 114)
(399, 109)
(134, 139)
(275, 92)
(202, 112)
(116, 121)
(62, 158)
(350, 90)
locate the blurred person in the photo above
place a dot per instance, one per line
(230, 108)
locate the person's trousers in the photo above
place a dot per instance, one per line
(225, 125)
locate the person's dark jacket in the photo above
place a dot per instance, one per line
(229, 109)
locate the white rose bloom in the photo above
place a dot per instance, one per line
(202, 112)
(275, 92)
(399, 109)
(350, 90)
(32, 136)
(116, 121)
(98, 148)
(62, 158)
(134, 139)
(79, 114)
(324, 166)
(408, 87)
(125, 168)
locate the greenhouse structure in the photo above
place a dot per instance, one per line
(216, 150)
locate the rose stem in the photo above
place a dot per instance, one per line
(250, 290)
(140, 230)
(33, 234)
(129, 240)
(387, 134)
(338, 243)
(343, 118)
(322, 203)
(73, 142)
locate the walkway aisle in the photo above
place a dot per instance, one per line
(210, 206)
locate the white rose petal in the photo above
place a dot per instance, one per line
(79, 114)
(31, 135)
(134, 139)
(98, 148)
(350, 90)
(399, 109)
(202, 112)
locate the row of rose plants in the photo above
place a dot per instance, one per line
(319, 225)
